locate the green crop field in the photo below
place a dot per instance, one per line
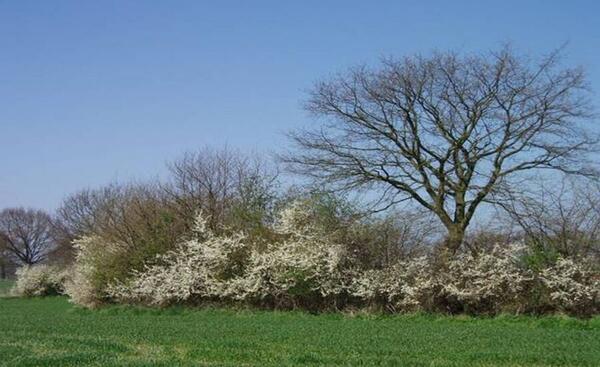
(52, 332)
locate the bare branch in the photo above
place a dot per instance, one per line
(447, 130)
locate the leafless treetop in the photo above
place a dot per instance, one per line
(446, 131)
(26, 234)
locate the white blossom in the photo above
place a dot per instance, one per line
(39, 280)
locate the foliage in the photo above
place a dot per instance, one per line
(40, 280)
(198, 268)
(307, 268)
(304, 269)
(97, 264)
(572, 287)
(488, 282)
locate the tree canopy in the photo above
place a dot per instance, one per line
(447, 131)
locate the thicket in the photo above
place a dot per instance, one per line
(222, 231)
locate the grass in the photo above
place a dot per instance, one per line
(52, 332)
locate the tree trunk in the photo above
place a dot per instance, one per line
(454, 239)
(452, 243)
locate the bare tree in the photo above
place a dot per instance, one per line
(5, 261)
(561, 219)
(154, 216)
(26, 234)
(215, 181)
(78, 215)
(135, 214)
(446, 131)
(88, 211)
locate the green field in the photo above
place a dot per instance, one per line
(52, 332)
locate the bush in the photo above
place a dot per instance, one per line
(306, 268)
(198, 269)
(40, 280)
(305, 265)
(405, 286)
(97, 264)
(299, 270)
(121, 230)
(138, 217)
(489, 282)
(571, 287)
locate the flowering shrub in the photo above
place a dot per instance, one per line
(198, 268)
(571, 287)
(302, 270)
(92, 271)
(487, 282)
(405, 286)
(302, 265)
(39, 280)
(492, 282)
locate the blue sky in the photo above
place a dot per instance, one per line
(97, 91)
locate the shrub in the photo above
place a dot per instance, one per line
(40, 280)
(198, 269)
(300, 269)
(405, 286)
(96, 266)
(303, 265)
(485, 283)
(488, 282)
(304, 269)
(571, 287)
(125, 228)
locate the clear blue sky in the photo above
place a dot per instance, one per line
(96, 91)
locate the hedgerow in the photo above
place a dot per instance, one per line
(309, 257)
(305, 267)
